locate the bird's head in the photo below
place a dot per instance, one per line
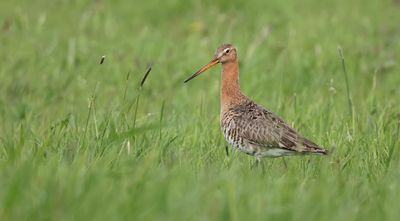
(224, 54)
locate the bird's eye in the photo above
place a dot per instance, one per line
(227, 51)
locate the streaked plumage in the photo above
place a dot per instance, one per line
(248, 126)
(259, 132)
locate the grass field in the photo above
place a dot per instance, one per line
(82, 141)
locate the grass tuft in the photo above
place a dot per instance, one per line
(147, 149)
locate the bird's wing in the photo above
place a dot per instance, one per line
(263, 128)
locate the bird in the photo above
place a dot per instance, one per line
(248, 126)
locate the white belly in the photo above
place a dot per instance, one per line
(276, 152)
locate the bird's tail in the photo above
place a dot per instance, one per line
(313, 148)
(324, 151)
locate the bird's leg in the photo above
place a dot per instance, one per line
(261, 163)
(284, 163)
(258, 163)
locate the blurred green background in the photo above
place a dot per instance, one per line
(82, 141)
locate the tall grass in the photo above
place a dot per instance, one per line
(81, 140)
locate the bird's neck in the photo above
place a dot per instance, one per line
(230, 89)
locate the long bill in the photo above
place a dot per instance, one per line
(207, 66)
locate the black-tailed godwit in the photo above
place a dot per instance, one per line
(248, 126)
